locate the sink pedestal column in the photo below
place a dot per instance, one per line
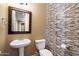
(21, 51)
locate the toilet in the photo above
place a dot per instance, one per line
(40, 45)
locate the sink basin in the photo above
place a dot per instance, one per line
(20, 44)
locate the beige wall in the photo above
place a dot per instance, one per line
(2, 27)
(38, 20)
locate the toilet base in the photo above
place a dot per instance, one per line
(45, 52)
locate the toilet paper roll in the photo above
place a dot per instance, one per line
(63, 46)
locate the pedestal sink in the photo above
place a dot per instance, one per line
(20, 44)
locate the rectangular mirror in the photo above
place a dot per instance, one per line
(19, 21)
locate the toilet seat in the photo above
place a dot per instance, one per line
(45, 52)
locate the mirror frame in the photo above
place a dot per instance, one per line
(10, 20)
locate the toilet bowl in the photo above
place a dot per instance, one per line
(40, 45)
(45, 52)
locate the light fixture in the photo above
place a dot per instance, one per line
(3, 20)
(23, 3)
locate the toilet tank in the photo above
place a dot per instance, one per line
(40, 44)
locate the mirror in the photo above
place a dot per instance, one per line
(19, 21)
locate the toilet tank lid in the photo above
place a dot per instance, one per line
(40, 40)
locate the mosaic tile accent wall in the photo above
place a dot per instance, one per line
(63, 28)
